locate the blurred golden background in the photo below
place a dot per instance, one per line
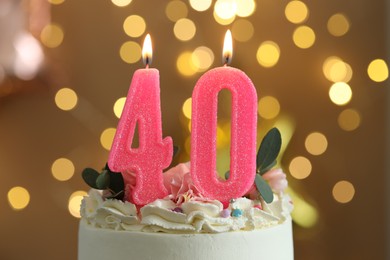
(321, 73)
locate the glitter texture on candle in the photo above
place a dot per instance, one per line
(243, 134)
(154, 153)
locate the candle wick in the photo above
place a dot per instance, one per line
(227, 60)
(147, 61)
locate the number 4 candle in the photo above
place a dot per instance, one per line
(243, 131)
(154, 154)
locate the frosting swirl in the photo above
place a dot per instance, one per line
(192, 216)
(185, 210)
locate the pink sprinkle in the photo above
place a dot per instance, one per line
(225, 213)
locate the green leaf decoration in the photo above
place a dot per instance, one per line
(103, 180)
(116, 184)
(264, 189)
(269, 150)
(266, 169)
(227, 175)
(107, 179)
(89, 176)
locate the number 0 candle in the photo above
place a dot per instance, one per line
(243, 131)
(154, 154)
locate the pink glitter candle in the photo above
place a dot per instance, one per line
(243, 133)
(154, 153)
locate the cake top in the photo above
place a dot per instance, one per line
(185, 208)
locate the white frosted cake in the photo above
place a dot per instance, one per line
(185, 225)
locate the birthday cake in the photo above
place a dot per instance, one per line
(189, 212)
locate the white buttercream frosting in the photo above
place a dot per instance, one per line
(193, 216)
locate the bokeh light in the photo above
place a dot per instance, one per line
(377, 70)
(187, 108)
(184, 29)
(328, 66)
(200, 5)
(304, 37)
(300, 167)
(296, 12)
(185, 65)
(134, 26)
(121, 3)
(18, 198)
(340, 93)
(62, 169)
(245, 8)
(225, 9)
(336, 70)
(268, 54)
(107, 137)
(176, 10)
(52, 35)
(202, 58)
(242, 30)
(316, 143)
(75, 202)
(349, 119)
(343, 191)
(222, 21)
(66, 99)
(29, 56)
(268, 107)
(338, 25)
(118, 106)
(130, 52)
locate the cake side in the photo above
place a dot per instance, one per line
(263, 244)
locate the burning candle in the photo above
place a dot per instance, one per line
(243, 131)
(154, 154)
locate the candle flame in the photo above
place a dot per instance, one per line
(227, 53)
(147, 51)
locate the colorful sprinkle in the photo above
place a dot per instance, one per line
(225, 213)
(237, 213)
(178, 210)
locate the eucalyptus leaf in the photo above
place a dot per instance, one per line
(107, 179)
(269, 149)
(264, 189)
(103, 180)
(266, 169)
(227, 175)
(89, 176)
(117, 184)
